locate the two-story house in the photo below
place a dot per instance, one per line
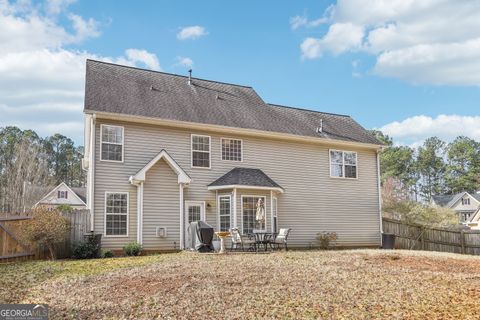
(465, 204)
(163, 150)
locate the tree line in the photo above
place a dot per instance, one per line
(436, 167)
(27, 160)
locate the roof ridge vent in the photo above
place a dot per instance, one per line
(320, 127)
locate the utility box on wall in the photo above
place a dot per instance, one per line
(161, 232)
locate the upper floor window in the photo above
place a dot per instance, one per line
(466, 201)
(231, 149)
(200, 151)
(343, 164)
(62, 194)
(111, 143)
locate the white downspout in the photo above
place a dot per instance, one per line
(379, 196)
(140, 213)
(182, 216)
(91, 173)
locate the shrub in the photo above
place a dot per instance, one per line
(132, 249)
(108, 254)
(47, 228)
(88, 249)
(65, 208)
(325, 239)
(413, 212)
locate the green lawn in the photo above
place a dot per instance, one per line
(359, 284)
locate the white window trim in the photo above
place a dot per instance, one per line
(123, 142)
(241, 209)
(209, 151)
(221, 149)
(105, 215)
(343, 160)
(218, 209)
(274, 213)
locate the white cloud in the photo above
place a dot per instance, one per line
(192, 32)
(150, 60)
(419, 41)
(414, 130)
(184, 62)
(340, 37)
(303, 21)
(41, 80)
(54, 7)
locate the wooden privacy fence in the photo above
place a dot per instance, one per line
(13, 249)
(417, 237)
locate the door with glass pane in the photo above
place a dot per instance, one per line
(194, 211)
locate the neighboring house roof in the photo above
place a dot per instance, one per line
(442, 199)
(449, 200)
(245, 178)
(132, 91)
(79, 192)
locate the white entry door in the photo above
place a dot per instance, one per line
(194, 211)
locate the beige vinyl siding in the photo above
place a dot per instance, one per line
(161, 207)
(312, 202)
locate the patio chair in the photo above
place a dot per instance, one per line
(281, 238)
(239, 242)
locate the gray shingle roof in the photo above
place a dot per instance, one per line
(245, 177)
(442, 199)
(132, 91)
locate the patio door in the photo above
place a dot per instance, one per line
(194, 211)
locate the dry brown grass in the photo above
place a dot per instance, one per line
(360, 284)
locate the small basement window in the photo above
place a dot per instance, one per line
(343, 164)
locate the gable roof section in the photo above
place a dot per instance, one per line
(132, 91)
(442, 199)
(245, 178)
(140, 176)
(449, 200)
(79, 193)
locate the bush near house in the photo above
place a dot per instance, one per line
(47, 228)
(132, 249)
(65, 208)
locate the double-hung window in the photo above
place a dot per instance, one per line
(111, 143)
(116, 214)
(200, 151)
(231, 149)
(343, 164)
(225, 212)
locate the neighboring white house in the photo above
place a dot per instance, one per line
(464, 204)
(63, 194)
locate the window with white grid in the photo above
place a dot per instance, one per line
(116, 214)
(343, 164)
(224, 204)
(112, 143)
(231, 149)
(249, 214)
(200, 151)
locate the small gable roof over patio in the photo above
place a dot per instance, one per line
(245, 178)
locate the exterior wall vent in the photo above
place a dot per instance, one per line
(161, 232)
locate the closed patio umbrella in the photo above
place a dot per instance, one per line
(260, 216)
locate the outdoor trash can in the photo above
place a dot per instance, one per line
(388, 241)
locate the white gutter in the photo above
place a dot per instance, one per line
(232, 130)
(239, 186)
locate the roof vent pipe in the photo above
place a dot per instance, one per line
(190, 76)
(320, 128)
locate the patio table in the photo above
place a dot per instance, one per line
(262, 238)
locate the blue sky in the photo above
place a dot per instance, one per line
(387, 66)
